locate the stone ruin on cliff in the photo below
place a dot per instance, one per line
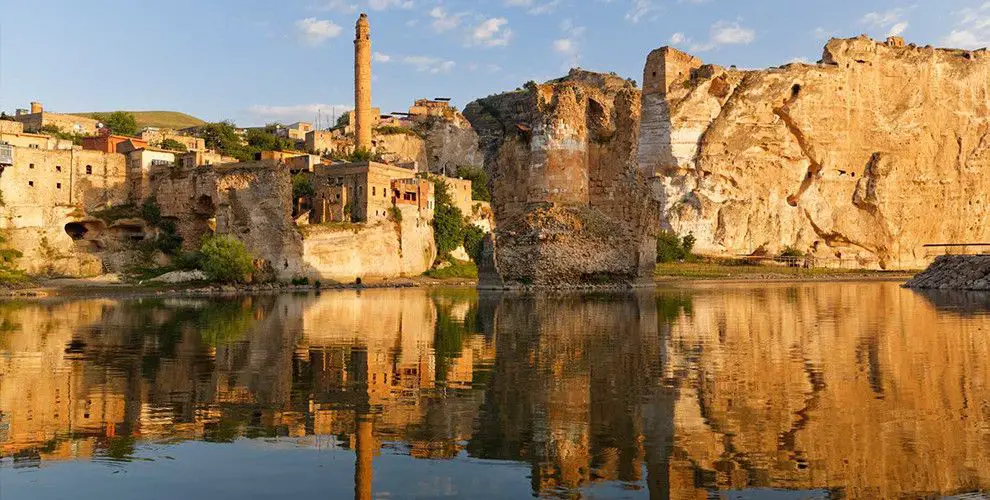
(571, 206)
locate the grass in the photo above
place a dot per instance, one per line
(457, 269)
(716, 270)
(161, 119)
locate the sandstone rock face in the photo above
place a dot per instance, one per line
(382, 250)
(570, 205)
(850, 157)
(450, 143)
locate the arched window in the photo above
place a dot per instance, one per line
(89, 169)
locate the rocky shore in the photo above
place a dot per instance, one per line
(954, 272)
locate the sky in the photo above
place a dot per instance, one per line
(263, 61)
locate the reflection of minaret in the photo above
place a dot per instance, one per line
(365, 448)
(362, 84)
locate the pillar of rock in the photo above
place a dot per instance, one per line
(362, 84)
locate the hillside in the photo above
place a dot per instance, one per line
(162, 119)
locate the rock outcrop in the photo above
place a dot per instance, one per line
(849, 157)
(954, 272)
(570, 206)
(450, 142)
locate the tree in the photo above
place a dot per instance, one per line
(173, 145)
(448, 221)
(119, 122)
(479, 182)
(223, 137)
(302, 187)
(474, 242)
(226, 259)
(9, 273)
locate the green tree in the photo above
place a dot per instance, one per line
(223, 137)
(56, 131)
(226, 259)
(9, 273)
(474, 242)
(479, 182)
(119, 122)
(671, 247)
(173, 145)
(448, 221)
(302, 187)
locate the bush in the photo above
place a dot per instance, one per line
(9, 273)
(457, 269)
(226, 259)
(671, 248)
(173, 145)
(479, 182)
(395, 130)
(448, 221)
(300, 281)
(474, 242)
(302, 187)
(790, 251)
(395, 213)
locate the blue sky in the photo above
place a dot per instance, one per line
(257, 61)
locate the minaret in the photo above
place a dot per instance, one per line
(362, 84)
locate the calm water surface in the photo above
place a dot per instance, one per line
(859, 390)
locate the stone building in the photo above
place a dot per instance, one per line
(12, 133)
(356, 192)
(37, 118)
(429, 107)
(321, 142)
(155, 136)
(296, 131)
(140, 163)
(203, 158)
(111, 143)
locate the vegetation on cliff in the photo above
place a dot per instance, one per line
(118, 122)
(448, 221)
(9, 273)
(479, 182)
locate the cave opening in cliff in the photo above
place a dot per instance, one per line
(795, 90)
(76, 230)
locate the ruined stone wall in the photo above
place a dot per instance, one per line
(44, 191)
(849, 157)
(570, 206)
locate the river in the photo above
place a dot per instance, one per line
(810, 390)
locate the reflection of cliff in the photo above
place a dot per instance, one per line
(576, 390)
(847, 387)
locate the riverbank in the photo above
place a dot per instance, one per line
(111, 285)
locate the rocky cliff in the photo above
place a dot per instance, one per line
(849, 157)
(570, 206)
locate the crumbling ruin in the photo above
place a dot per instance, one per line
(570, 204)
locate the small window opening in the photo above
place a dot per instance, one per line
(31, 183)
(89, 169)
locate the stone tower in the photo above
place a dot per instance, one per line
(362, 84)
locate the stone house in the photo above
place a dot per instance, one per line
(110, 143)
(356, 192)
(202, 158)
(13, 133)
(155, 136)
(296, 131)
(37, 118)
(140, 163)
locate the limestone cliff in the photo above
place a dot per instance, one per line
(450, 142)
(849, 157)
(570, 206)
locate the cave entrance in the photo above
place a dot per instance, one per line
(76, 230)
(205, 206)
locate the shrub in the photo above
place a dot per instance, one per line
(302, 187)
(474, 242)
(173, 145)
(671, 247)
(395, 213)
(226, 259)
(9, 273)
(457, 269)
(394, 130)
(448, 221)
(790, 251)
(300, 281)
(479, 182)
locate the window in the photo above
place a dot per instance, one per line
(89, 169)
(58, 168)
(374, 193)
(31, 165)
(31, 183)
(58, 185)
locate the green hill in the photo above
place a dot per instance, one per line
(161, 119)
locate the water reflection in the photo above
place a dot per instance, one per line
(850, 390)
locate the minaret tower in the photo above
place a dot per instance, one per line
(362, 84)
